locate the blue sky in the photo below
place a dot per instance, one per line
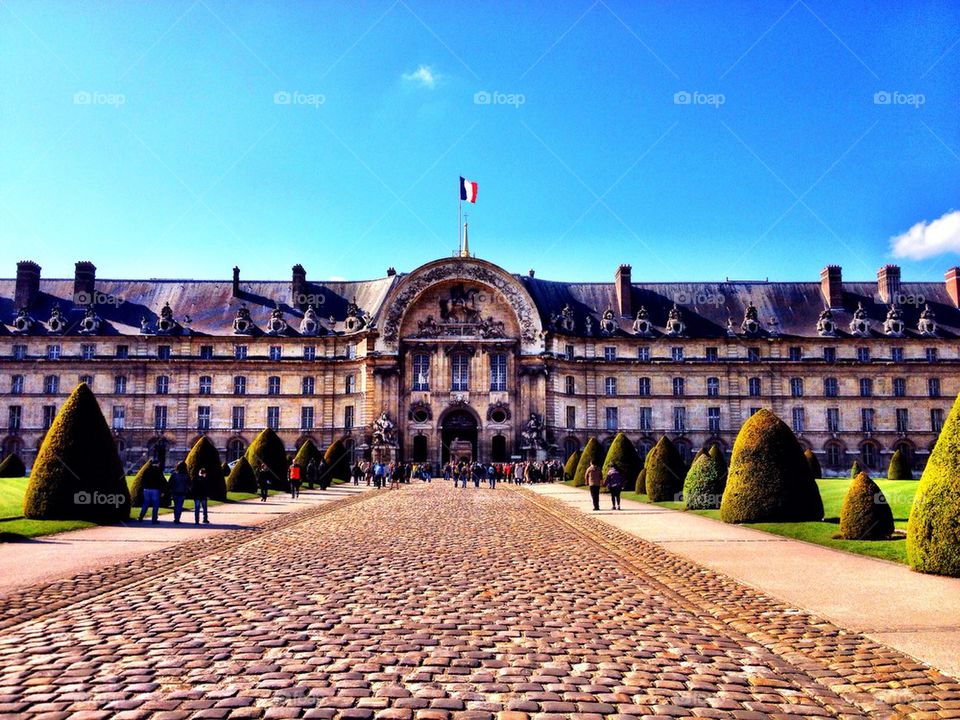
(177, 139)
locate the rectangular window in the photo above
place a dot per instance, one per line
(308, 386)
(498, 372)
(51, 384)
(239, 352)
(206, 385)
(678, 387)
(162, 385)
(676, 353)
(119, 417)
(350, 384)
(899, 387)
(936, 420)
(160, 417)
(568, 351)
(796, 387)
(609, 353)
(14, 417)
(120, 385)
(276, 352)
(239, 385)
(903, 420)
(713, 387)
(348, 417)
(273, 385)
(19, 352)
(933, 387)
(49, 413)
(88, 351)
(571, 417)
(833, 420)
(931, 354)
(866, 419)
(712, 354)
(799, 420)
(306, 417)
(460, 372)
(569, 385)
(679, 419)
(796, 353)
(713, 419)
(753, 387)
(238, 417)
(612, 418)
(206, 352)
(830, 387)
(643, 386)
(273, 417)
(203, 417)
(610, 386)
(421, 372)
(310, 352)
(866, 387)
(863, 354)
(643, 353)
(163, 352)
(896, 354)
(53, 352)
(16, 385)
(830, 354)
(753, 354)
(123, 352)
(645, 418)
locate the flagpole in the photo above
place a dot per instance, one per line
(459, 224)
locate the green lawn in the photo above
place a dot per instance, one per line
(899, 494)
(13, 526)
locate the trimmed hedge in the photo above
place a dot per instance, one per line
(136, 490)
(816, 472)
(623, 454)
(307, 452)
(77, 474)
(242, 479)
(12, 467)
(855, 469)
(769, 479)
(592, 451)
(933, 531)
(204, 454)
(665, 472)
(338, 461)
(865, 514)
(704, 484)
(267, 448)
(570, 467)
(641, 486)
(899, 467)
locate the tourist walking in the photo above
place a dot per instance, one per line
(396, 474)
(154, 484)
(378, 475)
(200, 491)
(311, 473)
(179, 489)
(594, 480)
(293, 477)
(357, 473)
(263, 481)
(614, 485)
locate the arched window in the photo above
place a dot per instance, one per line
(235, 449)
(870, 454)
(683, 447)
(834, 453)
(570, 446)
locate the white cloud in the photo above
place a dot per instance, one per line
(424, 76)
(925, 239)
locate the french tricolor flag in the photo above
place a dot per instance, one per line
(468, 190)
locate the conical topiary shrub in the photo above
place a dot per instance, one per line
(933, 532)
(592, 452)
(77, 474)
(338, 461)
(865, 514)
(641, 487)
(816, 472)
(899, 467)
(136, 488)
(717, 454)
(703, 486)
(768, 479)
(855, 469)
(12, 467)
(225, 469)
(204, 454)
(242, 478)
(267, 448)
(307, 452)
(570, 467)
(665, 472)
(623, 454)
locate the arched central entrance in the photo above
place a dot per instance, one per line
(457, 430)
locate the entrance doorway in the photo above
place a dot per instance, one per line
(419, 448)
(498, 449)
(460, 426)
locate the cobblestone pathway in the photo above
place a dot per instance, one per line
(437, 603)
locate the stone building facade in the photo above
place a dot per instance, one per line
(459, 353)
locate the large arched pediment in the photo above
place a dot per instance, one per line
(450, 271)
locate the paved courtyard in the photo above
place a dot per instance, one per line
(437, 603)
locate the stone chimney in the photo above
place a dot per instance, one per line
(953, 285)
(391, 271)
(236, 281)
(298, 287)
(28, 284)
(831, 286)
(624, 291)
(888, 283)
(84, 282)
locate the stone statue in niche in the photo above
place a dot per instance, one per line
(532, 433)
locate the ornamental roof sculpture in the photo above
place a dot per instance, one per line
(57, 322)
(641, 325)
(928, 322)
(90, 324)
(893, 325)
(860, 324)
(825, 325)
(243, 323)
(750, 324)
(276, 325)
(675, 325)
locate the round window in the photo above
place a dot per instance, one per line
(498, 416)
(420, 415)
